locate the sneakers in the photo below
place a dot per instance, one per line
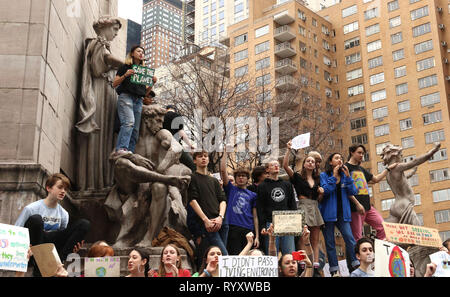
(335, 274)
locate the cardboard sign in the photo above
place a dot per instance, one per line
(287, 222)
(248, 266)
(14, 245)
(343, 269)
(409, 234)
(301, 141)
(391, 260)
(102, 267)
(442, 261)
(47, 258)
(143, 75)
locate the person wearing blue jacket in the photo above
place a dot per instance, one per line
(335, 209)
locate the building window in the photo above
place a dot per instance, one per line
(238, 8)
(371, 13)
(396, 38)
(351, 27)
(372, 29)
(399, 71)
(241, 55)
(263, 63)
(353, 58)
(442, 216)
(302, 30)
(423, 46)
(425, 64)
(432, 117)
(430, 99)
(375, 62)
(349, 11)
(263, 80)
(378, 95)
(439, 156)
(398, 55)
(261, 31)
(355, 90)
(419, 13)
(441, 195)
(263, 97)
(386, 203)
(358, 123)
(434, 136)
(238, 40)
(421, 29)
(428, 81)
(408, 142)
(439, 175)
(381, 130)
(350, 43)
(262, 47)
(405, 124)
(373, 46)
(404, 106)
(379, 113)
(241, 71)
(393, 5)
(401, 89)
(360, 139)
(395, 22)
(242, 87)
(376, 78)
(354, 74)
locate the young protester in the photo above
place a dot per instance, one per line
(210, 262)
(100, 249)
(365, 254)
(208, 201)
(247, 250)
(309, 192)
(48, 222)
(139, 263)
(170, 263)
(173, 122)
(361, 178)
(335, 209)
(129, 104)
(317, 157)
(241, 208)
(275, 194)
(259, 174)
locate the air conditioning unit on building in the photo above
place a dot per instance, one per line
(350, 95)
(447, 78)
(303, 17)
(441, 26)
(445, 61)
(444, 43)
(330, 79)
(303, 49)
(439, 9)
(328, 63)
(327, 47)
(327, 33)
(329, 93)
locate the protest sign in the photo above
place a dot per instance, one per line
(248, 266)
(287, 222)
(301, 141)
(142, 76)
(217, 176)
(390, 260)
(409, 234)
(47, 259)
(14, 245)
(442, 261)
(102, 267)
(343, 269)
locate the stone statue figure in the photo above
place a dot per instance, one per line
(97, 108)
(151, 185)
(402, 210)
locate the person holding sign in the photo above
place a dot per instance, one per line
(309, 192)
(170, 263)
(241, 208)
(335, 209)
(129, 104)
(47, 221)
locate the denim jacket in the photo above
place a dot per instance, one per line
(328, 206)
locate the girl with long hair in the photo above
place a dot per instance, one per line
(138, 263)
(170, 263)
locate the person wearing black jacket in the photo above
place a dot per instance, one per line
(275, 194)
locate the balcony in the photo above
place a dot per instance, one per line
(225, 40)
(285, 66)
(284, 33)
(283, 18)
(190, 22)
(284, 50)
(285, 83)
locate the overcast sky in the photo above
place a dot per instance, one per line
(131, 9)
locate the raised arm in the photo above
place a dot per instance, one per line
(420, 159)
(286, 167)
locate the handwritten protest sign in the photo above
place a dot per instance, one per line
(14, 245)
(301, 141)
(287, 222)
(248, 266)
(102, 267)
(47, 258)
(343, 269)
(442, 261)
(143, 75)
(390, 260)
(409, 234)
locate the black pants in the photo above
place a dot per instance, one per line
(64, 240)
(236, 239)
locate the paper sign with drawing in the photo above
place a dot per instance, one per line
(442, 261)
(391, 260)
(102, 267)
(14, 245)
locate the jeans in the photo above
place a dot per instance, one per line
(219, 238)
(285, 243)
(371, 217)
(129, 108)
(346, 231)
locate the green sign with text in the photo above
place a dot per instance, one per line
(143, 75)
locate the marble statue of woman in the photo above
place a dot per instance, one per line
(97, 108)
